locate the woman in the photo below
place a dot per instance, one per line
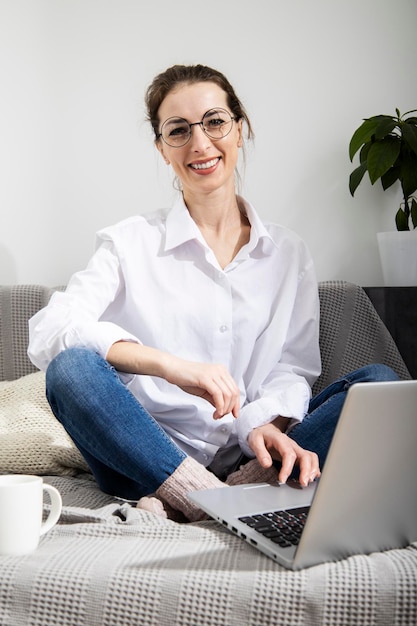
(184, 355)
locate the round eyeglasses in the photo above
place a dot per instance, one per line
(216, 123)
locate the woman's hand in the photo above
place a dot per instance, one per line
(270, 443)
(209, 381)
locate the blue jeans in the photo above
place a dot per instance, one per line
(129, 454)
(316, 430)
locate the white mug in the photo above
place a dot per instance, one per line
(21, 507)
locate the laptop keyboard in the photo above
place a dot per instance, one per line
(281, 527)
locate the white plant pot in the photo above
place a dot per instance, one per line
(398, 254)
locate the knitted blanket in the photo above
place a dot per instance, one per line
(109, 564)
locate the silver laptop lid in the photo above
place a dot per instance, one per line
(367, 496)
(366, 499)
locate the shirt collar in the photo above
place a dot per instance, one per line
(259, 235)
(181, 228)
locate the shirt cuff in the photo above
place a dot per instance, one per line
(99, 337)
(291, 401)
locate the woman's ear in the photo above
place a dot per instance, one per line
(240, 133)
(160, 147)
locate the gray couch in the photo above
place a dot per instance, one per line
(108, 564)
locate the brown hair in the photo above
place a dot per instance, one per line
(176, 75)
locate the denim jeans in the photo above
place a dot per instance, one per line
(129, 454)
(316, 430)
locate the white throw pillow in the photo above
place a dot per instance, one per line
(32, 441)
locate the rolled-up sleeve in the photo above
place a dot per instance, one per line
(74, 318)
(288, 399)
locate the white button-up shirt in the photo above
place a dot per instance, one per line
(154, 280)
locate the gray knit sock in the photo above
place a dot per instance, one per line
(253, 472)
(189, 476)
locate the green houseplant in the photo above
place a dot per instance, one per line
(388, 151)
(387, 148)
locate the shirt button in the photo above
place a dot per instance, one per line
(223, 328)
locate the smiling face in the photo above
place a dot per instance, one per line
(203, 165)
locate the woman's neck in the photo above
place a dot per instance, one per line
(217, 211)
(224, 227)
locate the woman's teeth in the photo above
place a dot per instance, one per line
(204, 166)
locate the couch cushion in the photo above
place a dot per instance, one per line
(32, 441)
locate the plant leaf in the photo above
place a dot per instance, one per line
(356, 177)
(413, 212)
(401, 220)
(363, 134)
(363, 154)
(390, 177)
(408, 175)
(382, 155)
(385, 127)
(409, 132)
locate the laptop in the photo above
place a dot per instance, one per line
(365, 500)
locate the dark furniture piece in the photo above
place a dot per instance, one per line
(397, 307)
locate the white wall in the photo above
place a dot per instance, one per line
(76, 155)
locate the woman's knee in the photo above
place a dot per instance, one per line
(376, 372)
(71, 367)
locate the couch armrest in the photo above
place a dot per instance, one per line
(352, 334)
(17, 304)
